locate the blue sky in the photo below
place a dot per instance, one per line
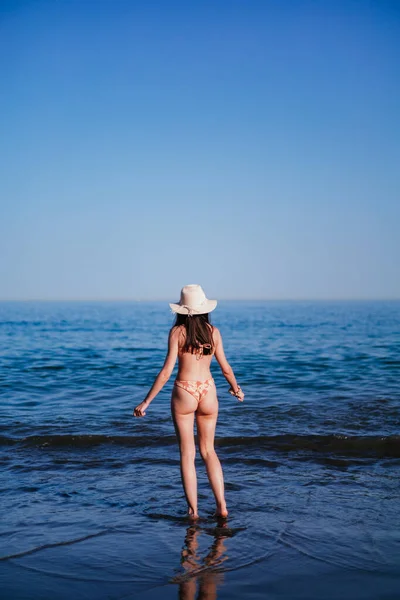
(252, 147)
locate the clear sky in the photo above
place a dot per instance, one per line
(249, 146)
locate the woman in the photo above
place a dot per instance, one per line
(194, 341)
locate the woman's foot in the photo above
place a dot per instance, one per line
(192, 514)
(221, 511)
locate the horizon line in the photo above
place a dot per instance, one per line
(277, 299)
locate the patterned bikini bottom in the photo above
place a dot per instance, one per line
(198, 389)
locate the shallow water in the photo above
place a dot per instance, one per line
(93, 499)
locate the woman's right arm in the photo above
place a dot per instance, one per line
(225, 366)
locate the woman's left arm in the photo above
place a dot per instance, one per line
(163, 375)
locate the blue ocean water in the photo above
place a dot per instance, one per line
(92, 498)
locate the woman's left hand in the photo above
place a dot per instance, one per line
(140, 410)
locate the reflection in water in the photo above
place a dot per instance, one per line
(204, 571)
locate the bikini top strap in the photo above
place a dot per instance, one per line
(200, 353)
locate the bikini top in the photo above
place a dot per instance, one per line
(205, 349)
(208, 350)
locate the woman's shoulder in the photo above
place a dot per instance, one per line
(176, 328)
(215, 333)
(176, 331)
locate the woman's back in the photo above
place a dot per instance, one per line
(194, 366)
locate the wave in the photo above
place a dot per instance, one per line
(336, 445)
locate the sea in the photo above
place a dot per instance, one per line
(91, 500)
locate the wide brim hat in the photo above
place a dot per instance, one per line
(193, 301)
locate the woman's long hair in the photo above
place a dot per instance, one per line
(198, 333)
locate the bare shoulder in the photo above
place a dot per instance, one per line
(176, 332)
(216, 334)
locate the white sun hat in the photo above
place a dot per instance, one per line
(193, 301)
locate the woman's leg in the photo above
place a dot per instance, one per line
(206, 418)
(183, 406)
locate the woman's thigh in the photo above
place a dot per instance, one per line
(183, 407)
(206, 419)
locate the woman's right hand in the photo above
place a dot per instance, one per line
(140, 410)
(239, 394)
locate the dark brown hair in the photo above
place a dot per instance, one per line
(198, 333)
